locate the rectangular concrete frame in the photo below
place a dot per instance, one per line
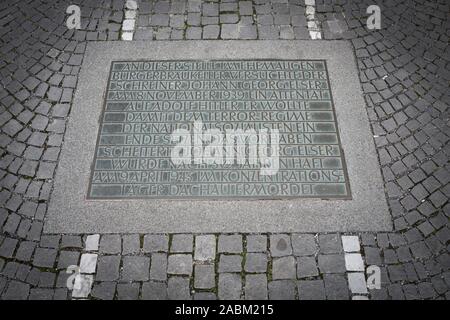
(70, 212)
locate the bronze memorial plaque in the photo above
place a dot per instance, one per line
(219, 129)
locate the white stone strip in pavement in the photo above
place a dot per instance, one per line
(88, 264)
(129, 23)
(314, 29)
(354, 265)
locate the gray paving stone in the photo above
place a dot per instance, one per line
(230, 243)
(267, 32)
(131, 244)
(16, 291)
(50, 241)
(311, 290)
(163, 33)
(44, 258)
(135, 268)
(210, 20)
(282, 290)
(143, 34)
(331, 263)
(156, 243)
(193, 19)
(104, 290)
(8, 247)
(182, 243)
(178, 288)
(210, 9)
(205, 296)
(204, 276)
(287, 32)
(205, 247)
(41, 294)
(283, 268)
(248, 32)
(307, 267)
(230, 263)
(211, 32)
(180, 264)
(154, 291)
(330, 243)
(304, 244)
(245, 8)
(68, 258)
(256, 262)
(280, 245)
(159, 20)
(127, 291)
(229, 31)
(256, 243)
(256, 287)
(60, 294)
(228, 18)
(108, 268)
(25, 251)
(336, 287)
(158, 268)
(229, 286)
(193, 33)
(177, 21)
(110, 244)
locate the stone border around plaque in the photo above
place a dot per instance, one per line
(70, 210)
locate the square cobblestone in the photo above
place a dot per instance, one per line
(229, 286)
(182, 243)
(230, 263)
(256, 262)
(256, 243)
(158, 268)
(304, 244)
(156, 243)
(283, 268)
(178, 288)
(282, 290)
(110, 244)
(256, 287)
(332, 263)
(108, 268)
(307, 267)
(154, 291)
(135, 268)
(230, 243)
(280, 245)
(311, 290)
(330, 243)
(180, 264)
(204, 276)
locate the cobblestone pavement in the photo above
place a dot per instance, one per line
(405, 75)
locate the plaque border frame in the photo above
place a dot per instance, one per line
(348, 196)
